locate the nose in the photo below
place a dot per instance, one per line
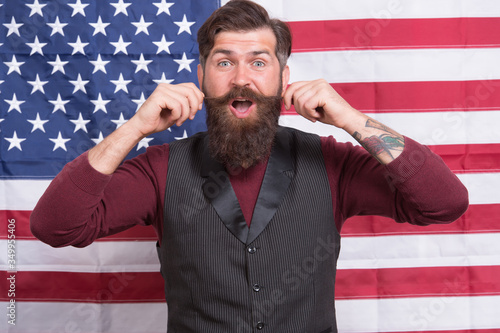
(241, 77)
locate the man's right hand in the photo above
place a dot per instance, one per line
(168, 105)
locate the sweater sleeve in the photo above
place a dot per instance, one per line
(417, 187)
(81, 204)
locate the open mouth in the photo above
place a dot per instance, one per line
(241, 107)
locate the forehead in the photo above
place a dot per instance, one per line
(261, 40)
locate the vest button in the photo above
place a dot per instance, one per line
(256, 287)
(252, 249)
(260, 325)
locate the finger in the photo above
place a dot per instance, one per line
(199, 95)
(171, 104)
(195, 98)
(180, 100)
(309, 114)
(173, 109)
(307, 101)
(304, 98)
(288, 96)
(184, 109)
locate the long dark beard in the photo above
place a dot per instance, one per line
(242, 142)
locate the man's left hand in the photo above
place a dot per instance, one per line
(318, 101)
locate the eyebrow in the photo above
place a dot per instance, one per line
(229, 52)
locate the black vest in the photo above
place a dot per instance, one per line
(276, 276)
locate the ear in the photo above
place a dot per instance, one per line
(200, 76)
(285, 78)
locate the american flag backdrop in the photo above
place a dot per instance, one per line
(72, 71)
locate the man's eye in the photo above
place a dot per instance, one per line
(259, 64)
(224, 64)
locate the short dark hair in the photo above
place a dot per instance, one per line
(244, 16)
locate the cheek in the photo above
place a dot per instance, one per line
(214, 87)
(269, 84)
(269, 88)
(208, 88)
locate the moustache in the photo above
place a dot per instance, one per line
(240, 93)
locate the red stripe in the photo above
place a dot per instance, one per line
(394, 34)
(432, 96)
(350, 284)
(493, 330)
(478, 219)
(86, 287)
(23, 232)
(418, 282)
(470, 158)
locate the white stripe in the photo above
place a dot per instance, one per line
(429, 128)
(396, 65)
(483, 188)
(87, 317)
(372, 315)
(418, 314)
(357, 253)
(21, 194)
(112, 256)
(319, 10)
(420, 251)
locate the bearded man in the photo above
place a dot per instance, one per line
(248, 214)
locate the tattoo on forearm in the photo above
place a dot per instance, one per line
(385, 143)
(375, 124)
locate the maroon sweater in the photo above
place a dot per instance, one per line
(81, 204)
